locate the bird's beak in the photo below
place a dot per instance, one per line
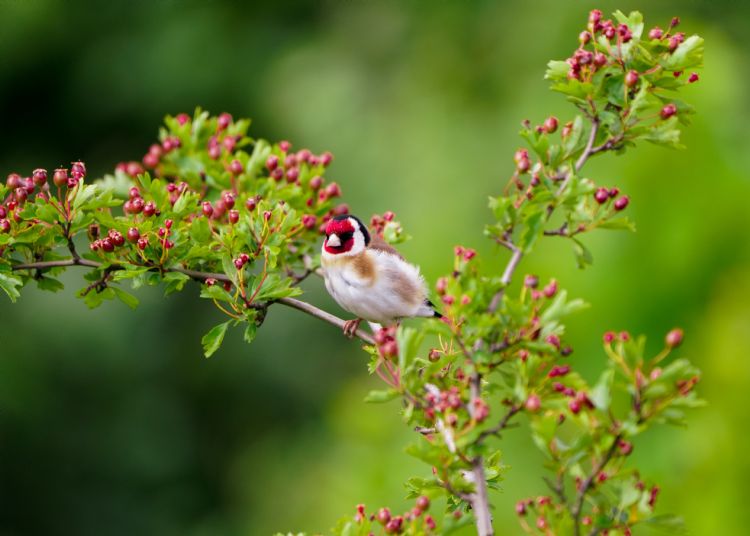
(333, 240)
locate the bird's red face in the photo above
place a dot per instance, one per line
(339, 236)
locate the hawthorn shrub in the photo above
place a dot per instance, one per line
(244, 217)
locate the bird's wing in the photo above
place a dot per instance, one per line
(378, 244)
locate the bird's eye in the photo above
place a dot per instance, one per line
(346, 236)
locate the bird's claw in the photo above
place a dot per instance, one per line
(351, 327)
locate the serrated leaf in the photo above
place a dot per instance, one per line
(125, 297)
(49, 284)
(251, 330)
(582, 253)
(10, 284)
(212, 340)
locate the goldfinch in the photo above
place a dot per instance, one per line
(368, 277)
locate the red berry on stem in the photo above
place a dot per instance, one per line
(550, 124)
(39, 176)
(423, 502)
(674, 338)
(272, 162)
(655, 33)
(60, 177)
(234, 216)
(601, 195)
(631, 78)
(285, 146)
(224, 121)
(622, 202)
(693, 78)
(668, 111)
(133, 234)
(235, 167)
(251, 203)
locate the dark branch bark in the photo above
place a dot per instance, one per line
(202, 276)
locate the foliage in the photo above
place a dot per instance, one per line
(242, 217)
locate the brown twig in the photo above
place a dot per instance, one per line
(577, 508)
(502, 425)
(202, 276)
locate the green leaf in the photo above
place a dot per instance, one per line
(212, 340)
(408, 340)
(381, 395)
(686, 56)
(534, 227)
(125, 297)
(617, 223)
(601, 394)
(251, 331)
(49, 284)
(175, 281)
(582, 253)
(10, 284)
(199, 230)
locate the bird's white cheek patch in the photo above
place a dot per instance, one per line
(334, 241)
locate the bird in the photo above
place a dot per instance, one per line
(369, 278)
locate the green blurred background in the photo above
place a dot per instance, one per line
(112, 422)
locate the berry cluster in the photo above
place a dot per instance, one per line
(414, 521)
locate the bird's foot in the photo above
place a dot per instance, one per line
(351, 327)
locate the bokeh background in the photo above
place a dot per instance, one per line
(112, 422)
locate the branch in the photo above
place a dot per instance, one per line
(502, 425)
(202, 276)
(577, 509)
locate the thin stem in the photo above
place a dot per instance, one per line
(577, 508)
(502, 425)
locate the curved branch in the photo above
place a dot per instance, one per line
(202, 276)
(577, 508)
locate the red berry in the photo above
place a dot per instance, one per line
(521, 508)
(285, 146)
(292, 174)
(149, 209)
(150, 160)
(595, 16)
(551, 289)
(601, 195)
(272, 162)
(267, 215)
(333, 190)
(60, 177)
(277, 174)
(228, 198)
(609, 337)
(600, 59)
(234, 216)
(133, 234)
(622, 202)
(631, 78)
(207, 209)
(224, 121)
(584, 37)
(142, 243)
(137, 205)
(39, 176)
(383, 516)
(303, 155)
(251, 203)
(389, 348)
(423, 503)
(655, 33)
(326, 158)
(693, 78)
(533, 403)
(235, 167)
(108, 245)
(674, 338)
(316, 182)
(551, 123)
(4, 225)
